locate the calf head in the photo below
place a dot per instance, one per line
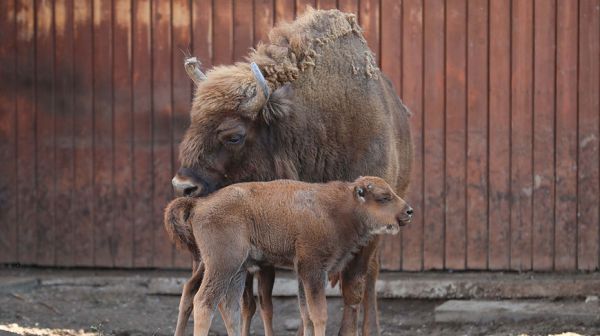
(228, 139)
(382, 210)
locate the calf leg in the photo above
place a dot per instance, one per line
(248, 304)
(306, 328)
(222, 271)
(230, 305)
(314, 288)
(370, 314)
(266, 279)
(189, 290)
(355, 283)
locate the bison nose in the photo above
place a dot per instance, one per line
(184, 187)
(409, 211)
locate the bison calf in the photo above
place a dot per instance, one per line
(314, 228)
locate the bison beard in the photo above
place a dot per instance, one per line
(326, 113)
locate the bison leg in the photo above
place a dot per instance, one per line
(189, 290)
(266, 279)
(357, 282)
(248, 304)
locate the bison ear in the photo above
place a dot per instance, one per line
(278, 105)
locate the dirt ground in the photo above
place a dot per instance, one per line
(30, 306)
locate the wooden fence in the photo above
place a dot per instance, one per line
(504, 95)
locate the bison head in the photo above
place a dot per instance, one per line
(229, 138)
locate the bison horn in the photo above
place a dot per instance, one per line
(260, 79)
(192, 67)
(262, 94)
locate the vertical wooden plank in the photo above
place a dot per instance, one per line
(26, 182)
(142, 136)
(63, 132)
(182, 29)
(412, 95)
(83, 227)
(543, 134)
(243, 29)
(455, 135)
(499, 135)
(477, 134)
(44, 65)
(103, 137)
(433, 135)
(302, 6)
(202, 26)
(122, 238)
(223, 32)
(521, 137)
(8, 134)
(284, 10)
(369, 19)
(162, 113)
(588, 245)
(348, 6)
(326, 4)
(565, 250)
(391, 42)
(391, 64)
(263, 20)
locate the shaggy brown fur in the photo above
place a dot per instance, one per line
(314, 228)
(332, 116)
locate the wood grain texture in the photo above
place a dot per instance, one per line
(222, 32)
(182, 94)
(391, 52)
(162, 137)
(433, 135)
(588, 243)
(8, 134)
(412, 95)
(123, 164)
(64, 134)
(103, 134)
(369, 16)
(243, 30)
(263, 20)
(499, 136)
(565, 249)
(521, 134)
(143, 181)
(543, 134)
(505, 123)
(455, 134)
(83, 132)
(284, 10)
(477, 135)
(348, 6)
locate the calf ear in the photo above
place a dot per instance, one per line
(279, 104)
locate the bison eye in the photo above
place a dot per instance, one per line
(235, 139)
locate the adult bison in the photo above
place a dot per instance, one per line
(313, 106)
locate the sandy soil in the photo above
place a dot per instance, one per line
(58, 308)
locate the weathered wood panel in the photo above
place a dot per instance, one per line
(505, 119)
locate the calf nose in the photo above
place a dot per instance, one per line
(183, 187)
(409, 211)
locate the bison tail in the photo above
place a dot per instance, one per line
(177, 225)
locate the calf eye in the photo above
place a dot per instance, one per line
(384, 199)
(360, 192)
